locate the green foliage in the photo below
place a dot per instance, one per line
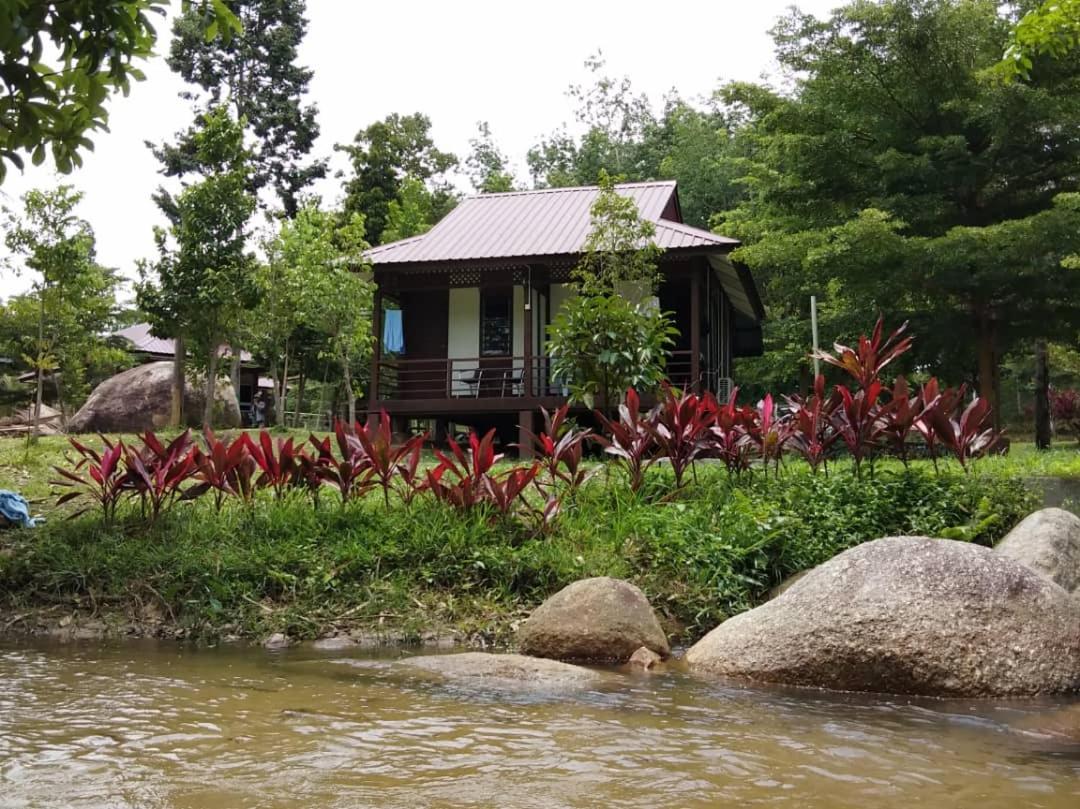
(1051, 29)
(383, 156)
(600, 345)
(256, 74)
(60, 61)
(411, 212)
(205, 275)
(612, 336)
(58, 325)
(486, 165)
(716, 550)
(896, 177)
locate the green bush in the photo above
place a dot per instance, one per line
(711, 550)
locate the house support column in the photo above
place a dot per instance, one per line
(526, 425)
(376, 351)
(695, 331)
(527, 324)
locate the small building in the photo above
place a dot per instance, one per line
(462, 310)
(145, 347)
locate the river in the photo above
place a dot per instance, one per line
(145, 724)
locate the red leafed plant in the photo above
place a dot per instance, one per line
(156, 471)
(870, 355)
(351, 472)
(902, 417)
(1065, 410)
(681, 427)
(503, 491)
(859, 420)
(813, 433)
(629, 439)
(730, 436)
(468, 468)
(225, 467)
(768, 431)
(560, 448)
(934, 402)
(389, 461)
(971, 435)
(97, 476)
(277, 461)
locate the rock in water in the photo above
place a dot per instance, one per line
(1048, 542)
(599, 620)
(140, 398)
(908, 615)
(503, 669)
(644, 659)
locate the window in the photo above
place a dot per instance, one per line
(496, 324)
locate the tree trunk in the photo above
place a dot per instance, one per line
(211, 387)
(988, 388)
(279, 395)
(299, 397)
(349, 390)
(1042, 396)
(274, 378)
(39, 393)
(234, 373)
(176, 418)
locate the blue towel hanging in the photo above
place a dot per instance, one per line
(393, 332)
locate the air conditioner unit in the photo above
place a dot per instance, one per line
(724, 386)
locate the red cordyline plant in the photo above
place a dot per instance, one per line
(812, 431)
(860, 421)
(156, 471)
(730, 434)
(629, 439)
(865, 362)
(971, 435)
(902, 416)
(224, 467)
(560, 448)
(769, 431)
(389, 461)
(351, 473)
(277, 461)
(935, 401)
(681, 428)
(1065, 410)
(97, 476)
(465, 479)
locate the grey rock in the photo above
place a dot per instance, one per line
(600, 620)
(1048, 542)
(276, 641)
(505, 670)
(644, 659)
(908, 615)
(140, 398)
(334, 644)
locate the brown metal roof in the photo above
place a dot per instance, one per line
(546, 222)
(143, 342)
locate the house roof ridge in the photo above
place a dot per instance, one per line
(568, 188)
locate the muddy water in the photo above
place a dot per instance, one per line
(145, 725)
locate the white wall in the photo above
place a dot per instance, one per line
(463, 332)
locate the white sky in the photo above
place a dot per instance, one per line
(458, 62)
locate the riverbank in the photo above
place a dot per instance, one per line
(427, 571)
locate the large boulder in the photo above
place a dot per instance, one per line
(502, 670)
(140, 398)
(599, 620)
(1048, 542)
(908, 615)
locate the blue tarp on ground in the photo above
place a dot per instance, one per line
(15, 509)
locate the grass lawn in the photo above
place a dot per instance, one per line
(701, 554)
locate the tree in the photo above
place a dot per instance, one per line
(897, 177)
(486, 165)
(256, 74)
(91, 47)
(383, 156)
(56, 326)
(313, 294)
(1050, 29)
(611, 335)
(411, 213)
(205, 277)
